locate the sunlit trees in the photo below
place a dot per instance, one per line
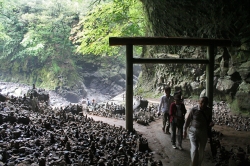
(111, 19)
(38, 33)
(42, 39)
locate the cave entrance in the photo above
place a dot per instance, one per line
(129, 42)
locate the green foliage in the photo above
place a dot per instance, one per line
(38, 28)
(56, 68)
(3, 35)
(34, 40)
(10, 23)
(112, 19)
(36, 36)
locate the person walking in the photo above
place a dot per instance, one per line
(164, 106)
(177, 118)
(88, 102)
(199, 122)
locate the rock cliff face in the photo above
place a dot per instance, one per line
(97, 83)
(200, 19)
(231, 79)
(93, 82)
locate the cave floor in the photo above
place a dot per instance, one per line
(160, 143)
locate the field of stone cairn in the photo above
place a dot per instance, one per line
(222, 115)
(60, 136)
(56, 136)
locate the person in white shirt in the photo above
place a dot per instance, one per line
(164, 107)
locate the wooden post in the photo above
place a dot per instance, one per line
(210, 75)
(129, 87)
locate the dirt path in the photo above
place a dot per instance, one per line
(160, 143)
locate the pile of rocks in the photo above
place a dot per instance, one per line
(223, 116)
(111, 110)
(58, 137)
(236, 155)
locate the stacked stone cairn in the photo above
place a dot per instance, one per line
(59, 137)
(142, 116)
(224, 116)
(236, 155)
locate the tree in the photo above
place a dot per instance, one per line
(38, 34)
(113, 18)
(38, 48)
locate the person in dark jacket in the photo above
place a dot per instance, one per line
(177, 118)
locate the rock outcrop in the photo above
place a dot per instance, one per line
(231, 79)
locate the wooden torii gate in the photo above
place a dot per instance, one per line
(211, 44)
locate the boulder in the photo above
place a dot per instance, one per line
(244, 87)
(143, 104)
(218, 59)
(217, 72)
(43, 96)
(72, 97)
(120, 111)
(231, 71)
(234, 74)
(196, 87)
(243, 98)
(243, 55)
(244, 70)
(223, 67)
(203, 93)
(184, 88)
(226, 85)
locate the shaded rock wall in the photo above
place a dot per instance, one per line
(231, 81)
(202, 19)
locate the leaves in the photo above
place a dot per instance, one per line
(114, 18)
(34, 37)
(3, 35)
(46, 35)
